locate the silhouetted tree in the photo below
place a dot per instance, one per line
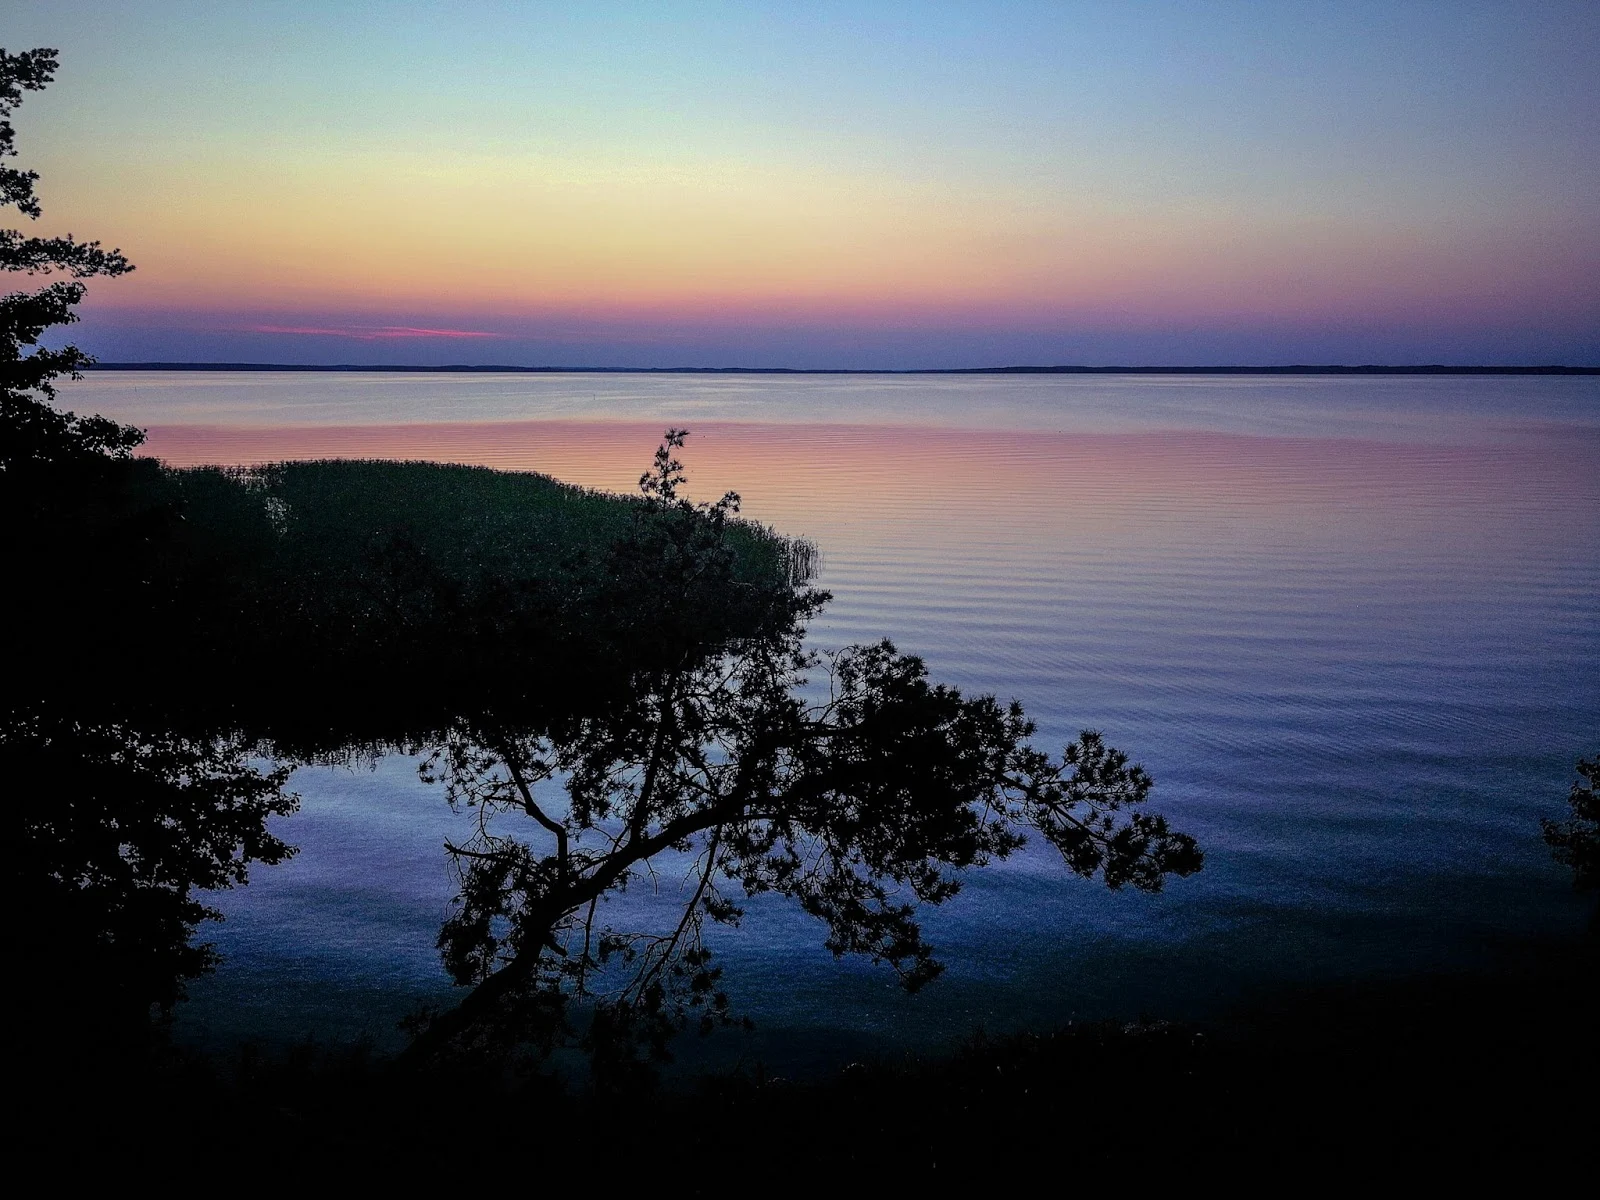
(115, 819)
(1575, 842)
(24, 316)
(861, 800)
(115, 828)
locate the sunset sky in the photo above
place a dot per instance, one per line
(852, 185)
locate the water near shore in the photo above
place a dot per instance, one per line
(1351, 625)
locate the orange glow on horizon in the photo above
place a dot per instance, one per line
(722, 244)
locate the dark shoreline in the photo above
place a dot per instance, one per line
(463, 368)
(1448, 1072)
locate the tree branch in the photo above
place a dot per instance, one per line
(661, 960)
(537, 813)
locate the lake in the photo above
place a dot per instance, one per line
(1350, 624)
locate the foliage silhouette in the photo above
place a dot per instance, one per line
(862, 801)
(116, 821)
(24, 316)
(121, 827)
(1575, 841)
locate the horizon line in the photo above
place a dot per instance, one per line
(1063, 369)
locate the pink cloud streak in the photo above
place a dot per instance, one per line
(381, 333)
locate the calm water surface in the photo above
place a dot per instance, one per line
(1352, 627)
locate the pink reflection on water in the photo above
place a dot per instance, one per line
(811, 471)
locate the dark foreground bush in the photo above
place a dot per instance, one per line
(1450, 1075)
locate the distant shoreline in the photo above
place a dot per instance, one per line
(1430, 369)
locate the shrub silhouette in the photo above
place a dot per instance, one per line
(1575, 841)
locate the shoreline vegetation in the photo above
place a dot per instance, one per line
(604, 680)
(464, 368)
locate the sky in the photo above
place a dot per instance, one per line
(827, 185)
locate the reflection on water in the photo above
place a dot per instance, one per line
(1351, 626)
(1415, 408)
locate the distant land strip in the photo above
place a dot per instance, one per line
(463, 368)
